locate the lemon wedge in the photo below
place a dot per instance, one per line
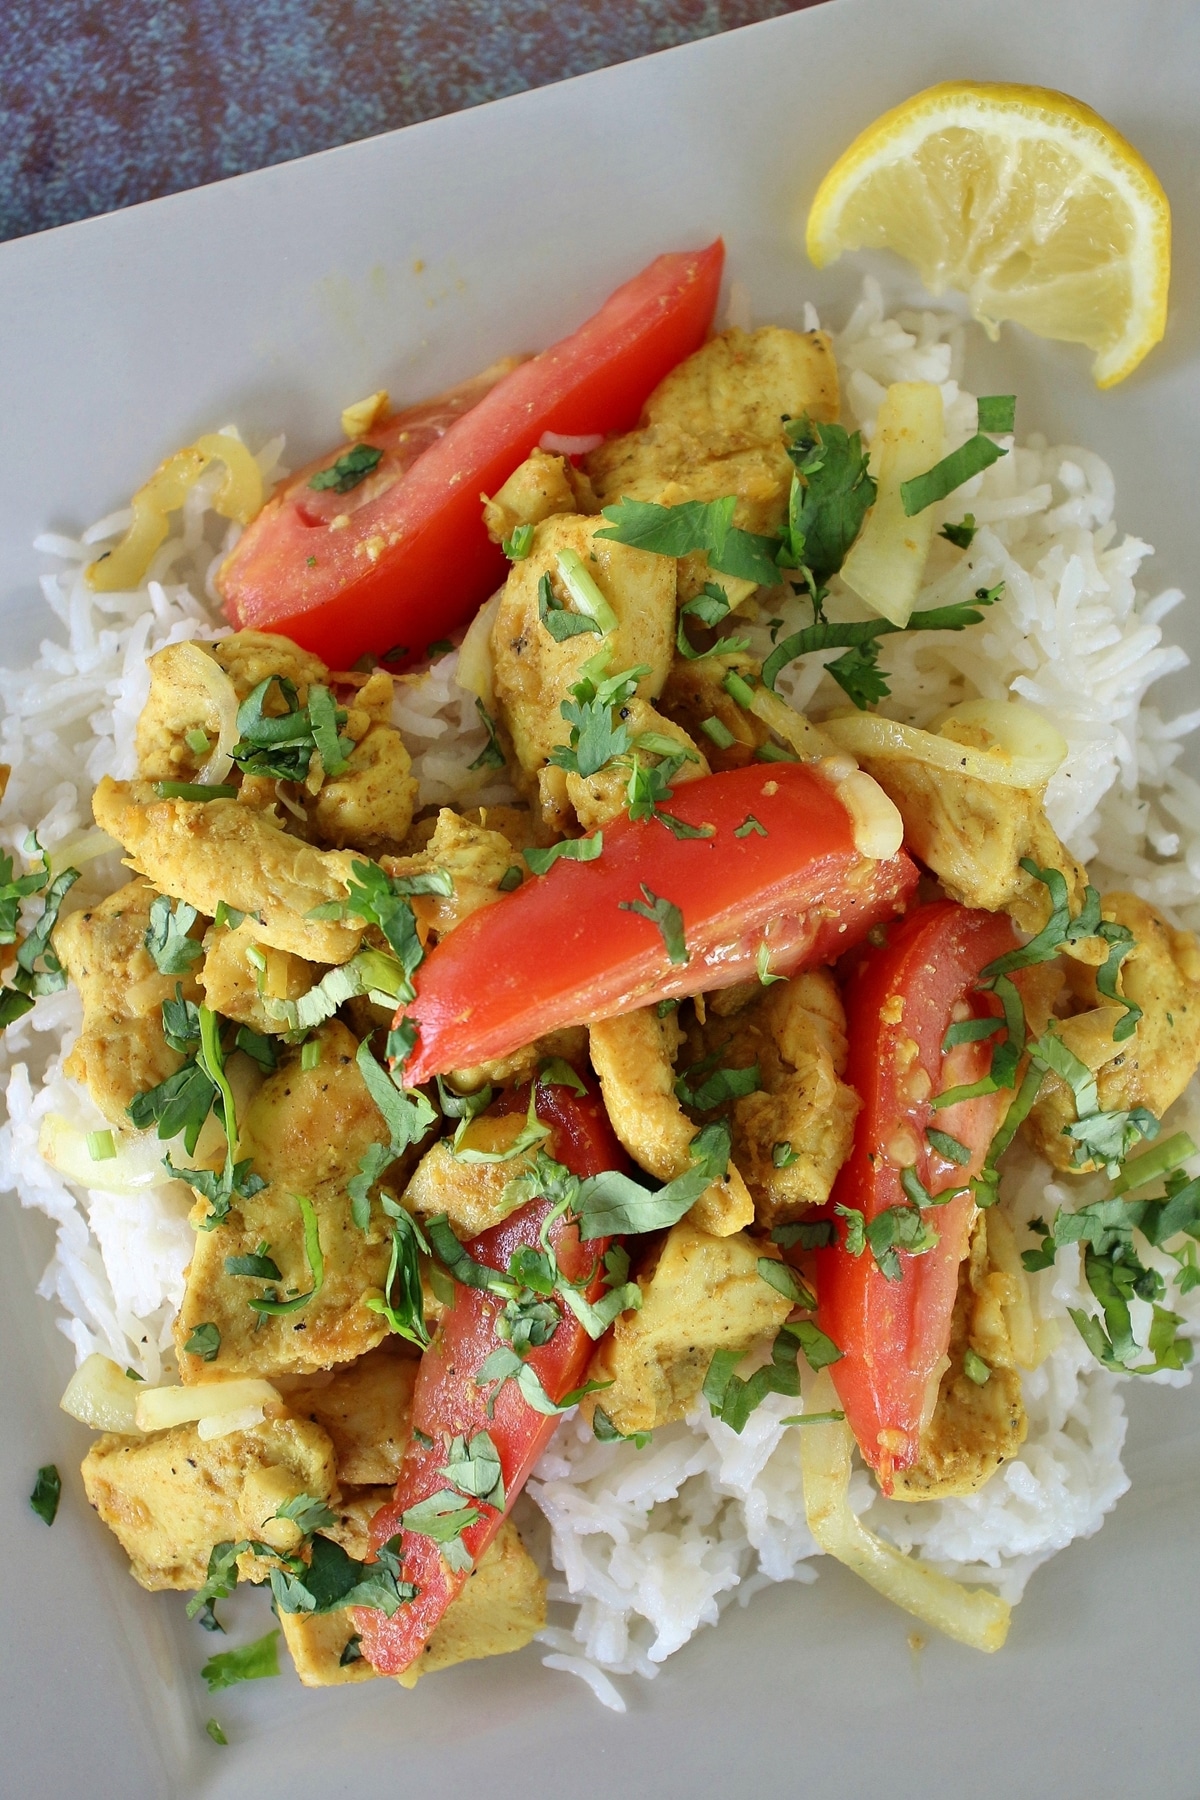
(1021, 198)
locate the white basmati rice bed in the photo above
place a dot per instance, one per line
(648, 1545)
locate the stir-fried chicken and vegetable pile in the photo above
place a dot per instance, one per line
(684, 1080)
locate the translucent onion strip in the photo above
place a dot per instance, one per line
(1025, 753)
(973, 1616)
(239, 497)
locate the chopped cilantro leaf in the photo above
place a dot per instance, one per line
(971, 458)
(695, 525)
(961, 535)
(353, 466)
(250, 1662)
(492, 755)
(558, 620)
(585, 849)
(750, 824)
(860, 636)
(204, 1342)
(47, 1491)
(830, 496)
(272, 1305)
(668, 918)
(172, 950)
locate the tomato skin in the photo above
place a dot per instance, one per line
(893, 1334)
(560, 950)
(447, 1402)
(415, 562)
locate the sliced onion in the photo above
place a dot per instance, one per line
(239, 497)
(222, 695)
(101, 1395)
(206, 1402)
(475, 666)
(874, 818)
(805, 738)
(973, 1616)
(136, 1165)
(559, 443)
(1028, 749)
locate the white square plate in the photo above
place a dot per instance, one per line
(412, 260)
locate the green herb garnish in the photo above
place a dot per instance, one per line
(47, 1491)
(353, 466)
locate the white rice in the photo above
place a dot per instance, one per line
(648, 1545)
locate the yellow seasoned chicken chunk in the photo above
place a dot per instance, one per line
(714, 426)
(534, 673)
(236, 987)
(305, 1132)
(1152, 1066)
(370, 804)
(973, 835)
(700, 1294)
(597, 799)
(794, 1033)
(475, 857)
(213, 850)
(366, 1408)
(537, 489)
(121, 1050)
(978, 1421)
(171, 1497)
(633, 1057)
(501, 1608)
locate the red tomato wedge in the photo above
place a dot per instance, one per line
(782, 870)
(900, 1001)
(447, 1403)
(403, 558)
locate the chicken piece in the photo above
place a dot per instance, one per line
(317, 1642)
(534, 673)
(501, 1608)
(121, 1050)
(633, 1058)
(370, 805)
(1150, 1068)
(305, 1132)
(795, 1033)
(700, 1294)
(231, 980)
(471, 1194)
(366, 1408)
(171, 1497)
(714, 426)
(206, 851)
(598, 799)
(536, 490)
(974, 1426)
(189, 691)
(973, 834)
(694, 692)
(476, 859)
(248, 657)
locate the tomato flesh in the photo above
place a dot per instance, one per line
(446, 1401)
(409, 560)
(564, 948)
(900, 1000)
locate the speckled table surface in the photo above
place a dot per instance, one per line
(107, 102)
